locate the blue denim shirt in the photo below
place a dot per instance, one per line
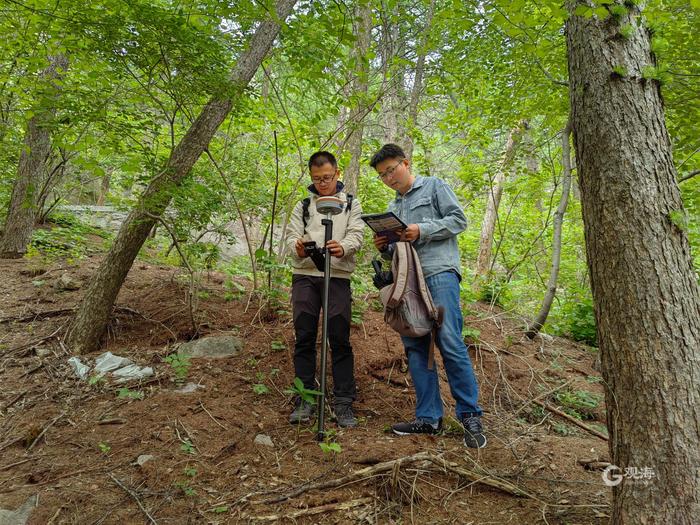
(433, 206)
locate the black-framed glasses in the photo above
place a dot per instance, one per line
(323, 180)
(389, 171)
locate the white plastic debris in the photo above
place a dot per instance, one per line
(132, 371)
(189, 388)
(80, 369)
(120, 367)
(108, 362)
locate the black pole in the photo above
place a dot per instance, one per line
(328, 223)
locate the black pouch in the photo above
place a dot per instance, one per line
(381, 278)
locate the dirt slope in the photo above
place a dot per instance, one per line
(76, 444)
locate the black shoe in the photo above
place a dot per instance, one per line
(344, 416)
(473, 432)
(416, 427)
(302, 412)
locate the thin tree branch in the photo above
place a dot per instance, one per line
(689, 176)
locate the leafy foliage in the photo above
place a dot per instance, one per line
(139, 74)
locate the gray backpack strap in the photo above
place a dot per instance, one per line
(399, 267)
(425, 293)
(428, 300)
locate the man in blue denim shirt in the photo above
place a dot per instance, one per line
(434, 218)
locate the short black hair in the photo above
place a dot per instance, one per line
(320, 158)
(387, 151)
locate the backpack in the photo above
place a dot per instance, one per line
(408, 305)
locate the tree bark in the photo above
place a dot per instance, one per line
(645, 292)
(104, 187)
(393, 79)
(493, 200)
(92, 317)
(363, 27)
(541, 318)
(22, 212)
(417, 88)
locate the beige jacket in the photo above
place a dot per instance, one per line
(347, 230)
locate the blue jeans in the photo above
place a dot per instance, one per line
(444, 287)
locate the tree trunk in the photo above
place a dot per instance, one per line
(23, 208)
(645, 291)
(104, 187)
(417, 88)
(93, 314)
(541, 318)
(493, 199)
(363, 27)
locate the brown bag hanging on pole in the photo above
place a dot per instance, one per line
(408, 305)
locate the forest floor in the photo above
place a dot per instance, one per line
(75, 443)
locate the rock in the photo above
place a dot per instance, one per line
(212, 347)
(264, 440)
(143, 459)
(66, 283)
(545, 337)
(21, 515)
(42, 351)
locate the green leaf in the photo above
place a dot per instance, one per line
(583, 10)
(601, 12)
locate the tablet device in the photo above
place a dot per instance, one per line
(385, 224)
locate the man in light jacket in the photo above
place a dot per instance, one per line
(307, 287)
(434, 218)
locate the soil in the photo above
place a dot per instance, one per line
(75, 444)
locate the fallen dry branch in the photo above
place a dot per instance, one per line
(41, 434)
(37, 316)
(571, 419)
(387, 466)
(12, 441)
(135, 498)
(322, 509)
(13, 401)
(34, 342)
(480, 478)
(62, 476)
(389, 380)
(16, 463)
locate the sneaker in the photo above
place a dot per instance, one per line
(344, 416)
(417, 427)
(303, 412)
(473, 432)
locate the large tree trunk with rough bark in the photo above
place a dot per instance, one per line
(363, 27)
(542, 315)
(22, 212)
(645, 291)
(95, 309)
(493, 200)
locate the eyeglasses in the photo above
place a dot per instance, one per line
(389, 171)
(324, 180)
